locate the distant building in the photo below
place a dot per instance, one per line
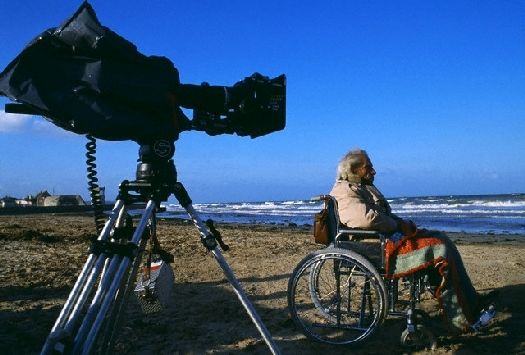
(63, 200)
(24, 202)
(42, 199)
(41, 196)
(7, 202)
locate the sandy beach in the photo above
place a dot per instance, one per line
(42, 255)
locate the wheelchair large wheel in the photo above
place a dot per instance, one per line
(336, 296)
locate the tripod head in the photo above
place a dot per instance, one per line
(156, 175)
(156, 163)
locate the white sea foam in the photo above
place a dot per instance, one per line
(484, 214)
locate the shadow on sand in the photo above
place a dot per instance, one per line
(219, 320)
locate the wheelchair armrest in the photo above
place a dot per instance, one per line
(322, 198)
(356, 235)
(361, 233)
(340, 229)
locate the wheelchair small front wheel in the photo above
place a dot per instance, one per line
(420, 338)
(336, 296)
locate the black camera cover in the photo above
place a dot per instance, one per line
(86, 78)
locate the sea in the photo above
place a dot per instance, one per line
(484, 214)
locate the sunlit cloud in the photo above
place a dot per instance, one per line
(19, 123)
(10, 122)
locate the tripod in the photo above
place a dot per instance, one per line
(109, 274)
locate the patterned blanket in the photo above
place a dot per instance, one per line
(435, 251)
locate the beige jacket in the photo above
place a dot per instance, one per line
(363, 206)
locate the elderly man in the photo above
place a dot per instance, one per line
(361, 205)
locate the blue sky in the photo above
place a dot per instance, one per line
(432, 90)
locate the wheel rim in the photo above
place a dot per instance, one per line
(336, 298)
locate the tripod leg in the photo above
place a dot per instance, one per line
(77, 297)
(107, 302)
(78, 332)
(209, 241)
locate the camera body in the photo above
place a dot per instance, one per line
(259, 109)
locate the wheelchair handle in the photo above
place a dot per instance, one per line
(320, 198)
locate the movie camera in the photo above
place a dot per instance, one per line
(87, 79)
(259, 109)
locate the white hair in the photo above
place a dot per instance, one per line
(352, 160)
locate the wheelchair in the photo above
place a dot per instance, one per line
(340, 294)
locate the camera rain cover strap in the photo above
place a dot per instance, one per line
(85, 78)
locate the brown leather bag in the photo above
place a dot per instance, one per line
(321, 231)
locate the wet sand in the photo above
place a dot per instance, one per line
(42, 254)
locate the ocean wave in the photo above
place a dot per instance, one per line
(499, 214)
(499, 203)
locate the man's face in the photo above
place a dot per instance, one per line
(366, 171)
